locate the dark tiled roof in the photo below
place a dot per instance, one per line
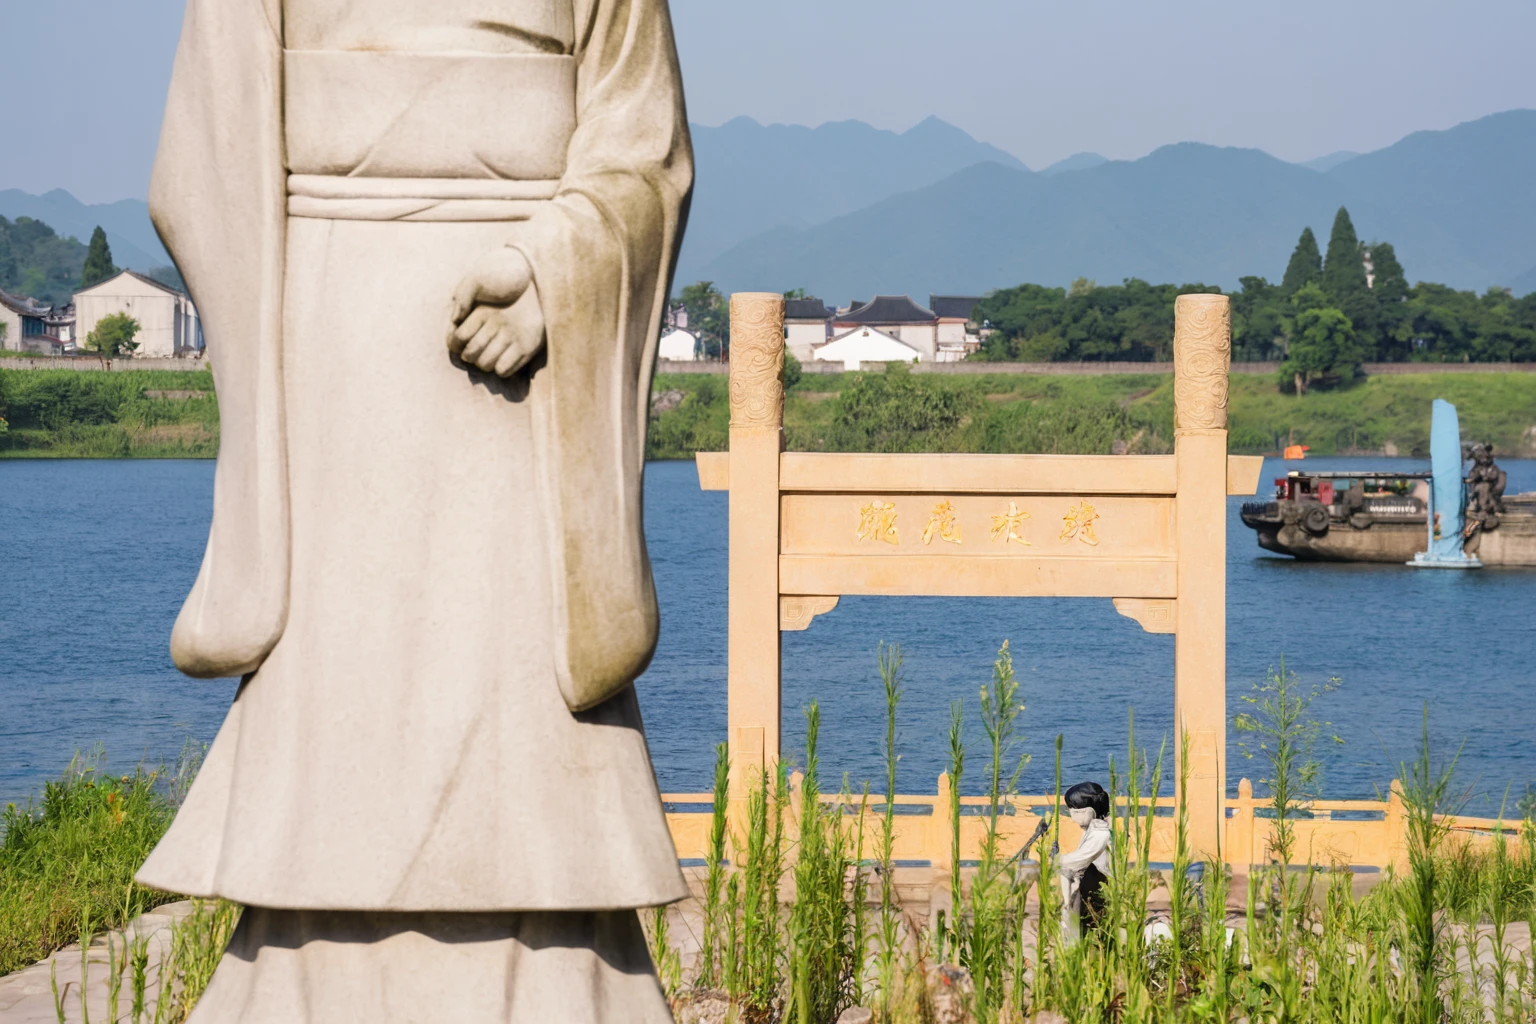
(888, 309)
(26, 307)
(810, 308)
(953, 307)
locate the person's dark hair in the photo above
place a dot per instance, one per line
(1091, 795)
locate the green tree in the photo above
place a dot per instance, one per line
(1306, 266)
(708, 317)
(98, 260)
(1258, 320)
(1390, 285)
(8, 267)
(1323, 346)
(1345, 282)
(113, 335)
(792, 370)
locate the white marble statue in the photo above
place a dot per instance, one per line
(432, 793)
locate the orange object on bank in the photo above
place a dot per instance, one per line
(1297, 451)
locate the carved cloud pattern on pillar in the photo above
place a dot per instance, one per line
(1202, 351)
(757, 359)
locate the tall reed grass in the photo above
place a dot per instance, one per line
(1444, 941)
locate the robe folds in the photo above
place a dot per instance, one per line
(433, 581)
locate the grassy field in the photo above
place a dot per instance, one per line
(1089, 414)
(173, 414)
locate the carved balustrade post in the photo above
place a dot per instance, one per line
(756, 439)
(1202, 353)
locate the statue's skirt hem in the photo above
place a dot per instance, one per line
(324, 966)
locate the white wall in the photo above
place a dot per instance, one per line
(802, 338)
(167, 321)
(678, 345)
(866, 345)
(951, 332)
(12, 321)
(922, 337)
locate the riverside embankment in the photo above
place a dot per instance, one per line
(139, 413)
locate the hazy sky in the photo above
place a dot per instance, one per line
(84, 80)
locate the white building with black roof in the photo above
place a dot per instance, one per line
(807, 324)
(867, 345)
(897, 316)
(957, 336)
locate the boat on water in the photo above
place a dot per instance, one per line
(1456, 515)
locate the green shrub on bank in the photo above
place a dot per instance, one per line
(72, 858)
(132, 414)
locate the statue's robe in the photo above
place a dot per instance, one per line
(433, 580)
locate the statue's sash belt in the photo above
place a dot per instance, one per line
(388, 135)
(416, 199)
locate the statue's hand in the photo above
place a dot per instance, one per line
(498, 323)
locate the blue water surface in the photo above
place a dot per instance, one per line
(96, 556)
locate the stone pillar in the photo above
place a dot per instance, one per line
(941, 856)
(1242, 830)
(1202, 353)
(757, 436)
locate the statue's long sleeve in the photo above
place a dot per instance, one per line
(602, 254)
(217, 199)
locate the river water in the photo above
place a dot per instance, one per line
(95, 558)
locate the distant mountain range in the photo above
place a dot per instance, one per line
(846, 210)
(1454, 203)
(126, 222)
(751, 178)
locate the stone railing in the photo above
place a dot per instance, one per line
(1360, 834)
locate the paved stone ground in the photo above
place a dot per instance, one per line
(26, 996)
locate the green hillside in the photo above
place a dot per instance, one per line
(36, 262)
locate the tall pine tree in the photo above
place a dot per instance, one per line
(1390, 281)
(98, 260)
(1344, 281)
(1390, 286)
(1306, 266)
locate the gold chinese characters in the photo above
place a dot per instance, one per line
(1007, 525)
(943, 524)
(877, 521)
(1078, 522)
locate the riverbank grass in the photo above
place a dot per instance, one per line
(70, 858)
(174, 414)
(73, 414)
